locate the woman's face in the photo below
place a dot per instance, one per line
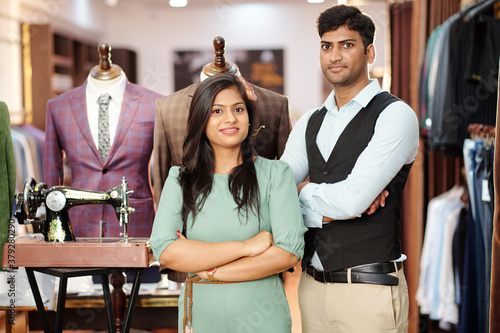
(228, 124)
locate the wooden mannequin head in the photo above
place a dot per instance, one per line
(219, 65)
(106, 70)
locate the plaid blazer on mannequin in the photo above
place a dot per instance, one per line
(67, 129)
(171, 115)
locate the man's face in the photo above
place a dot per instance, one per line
(343, 59)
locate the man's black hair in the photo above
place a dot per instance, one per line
(334, 17)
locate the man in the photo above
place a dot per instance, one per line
(359, 143)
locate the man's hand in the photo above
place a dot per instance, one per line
(300, 186)
(378, 202)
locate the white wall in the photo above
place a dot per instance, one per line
(10, 57)
(81, 18)
(155, 31)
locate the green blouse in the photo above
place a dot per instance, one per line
(218, 220)
(251, 306)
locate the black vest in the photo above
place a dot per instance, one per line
(369, 238)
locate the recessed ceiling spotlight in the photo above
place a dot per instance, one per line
(178, 3)
(111, 3)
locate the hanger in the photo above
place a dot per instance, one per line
(106, 70)
(478, 8)
(463, 12)
(480, 132)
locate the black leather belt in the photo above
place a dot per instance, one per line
(371, 274)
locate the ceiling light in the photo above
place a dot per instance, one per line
(111, 3)
(315, 1)
(178, 3)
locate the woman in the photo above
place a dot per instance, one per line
(239, 213)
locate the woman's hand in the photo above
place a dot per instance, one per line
(258, 243)
(188, 255)
(253, 246)
(180, 235)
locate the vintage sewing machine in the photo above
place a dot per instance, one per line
(59, 199)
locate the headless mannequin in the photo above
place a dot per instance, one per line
(72, 127)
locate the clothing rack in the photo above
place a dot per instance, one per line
(27, 141)
(479, 169)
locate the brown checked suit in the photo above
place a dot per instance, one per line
(171, 115)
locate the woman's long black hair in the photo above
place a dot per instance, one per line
(197, 174)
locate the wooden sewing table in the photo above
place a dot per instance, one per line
(86, 256)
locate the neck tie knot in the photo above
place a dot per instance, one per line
(104, 99)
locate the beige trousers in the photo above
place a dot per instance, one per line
(353, 308)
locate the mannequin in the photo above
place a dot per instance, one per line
(71, 128)
(171, 114)
(72, 131)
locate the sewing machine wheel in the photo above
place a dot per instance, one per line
(29, 207)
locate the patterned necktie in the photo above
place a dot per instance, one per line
(103, 135)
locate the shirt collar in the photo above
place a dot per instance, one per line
(116, 91)
(362, 98)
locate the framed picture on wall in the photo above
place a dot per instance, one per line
(263, 68)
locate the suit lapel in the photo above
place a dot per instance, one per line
(177, 119)
(190, 92)
(79, 110)
(130, 105)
